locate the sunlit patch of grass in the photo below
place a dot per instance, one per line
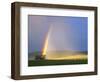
(65, 55)
(68, 57)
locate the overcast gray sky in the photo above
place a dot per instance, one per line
(67, 33)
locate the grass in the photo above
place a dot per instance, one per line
(58, 58)
(55, 62)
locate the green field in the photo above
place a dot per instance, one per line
(55, 62)
(57, 58)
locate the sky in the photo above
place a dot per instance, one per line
(65, 33)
